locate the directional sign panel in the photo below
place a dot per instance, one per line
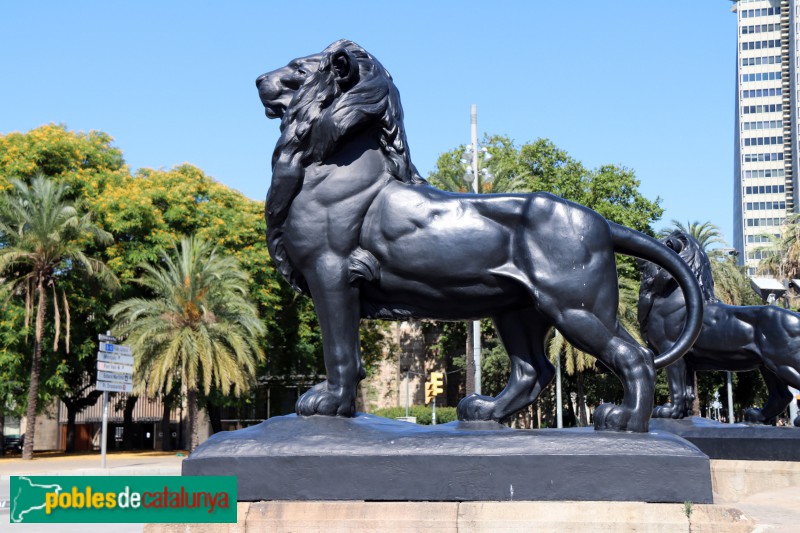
(114, 367)
(115, 348)
(106, 338)
(114, 387)
(114, 376)
(115, 358)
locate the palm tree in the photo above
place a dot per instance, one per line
(783, 257)
(43, 237)
(705, 233)
(199, 328)
(729, 281)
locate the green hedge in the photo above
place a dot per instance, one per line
(423, 414)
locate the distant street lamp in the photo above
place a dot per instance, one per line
(473, 161)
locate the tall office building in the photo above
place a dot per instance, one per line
(765, 182)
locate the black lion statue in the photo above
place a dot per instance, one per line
(352, 224)
(733, 338)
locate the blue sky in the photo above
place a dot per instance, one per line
(647, 85)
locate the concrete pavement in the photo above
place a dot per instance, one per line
(117, 464)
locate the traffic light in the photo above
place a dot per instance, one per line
(433, 387)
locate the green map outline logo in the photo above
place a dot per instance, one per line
(123, 499)
(16, 515)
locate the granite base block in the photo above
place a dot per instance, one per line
(749, 442)
(377, 459)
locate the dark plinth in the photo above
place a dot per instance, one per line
(735, 441)
(373, 458)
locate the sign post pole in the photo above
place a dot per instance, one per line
(103, 437)
(114, 373)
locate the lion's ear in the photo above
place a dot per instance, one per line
(345, 68)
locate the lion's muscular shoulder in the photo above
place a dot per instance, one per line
(325, 101)
(400, 209)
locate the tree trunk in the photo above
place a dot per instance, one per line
(571, 420)
(696, 402)
(127, 422)
(166, 433)
(191, 399)
(2, 432)
(583, 420)
(470, 360)
(36, 367)
(215, 418)
(72, 413)
(74, 406)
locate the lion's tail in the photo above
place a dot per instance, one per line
(632, 242)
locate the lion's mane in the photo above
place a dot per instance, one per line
(323, 116)
(657, 283)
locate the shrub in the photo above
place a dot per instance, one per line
(423, 414)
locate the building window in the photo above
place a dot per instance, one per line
(753, 158)
(763, 12)
(761, 238)
(760, 28)
(765, 173)
(760, 45)
(762, 125)
(760, 254)
(756, 222)
(759, 93)
(764, 60)
(761, 76)
(761, 141)
(761, 206)
(764, 189)
(767, 108)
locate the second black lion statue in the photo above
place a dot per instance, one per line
(351, 222)
(733, 338)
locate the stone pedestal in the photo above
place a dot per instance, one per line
(377, 459)
(735, 441)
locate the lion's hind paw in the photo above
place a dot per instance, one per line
(476, 408)
(611, 417)
(320, 401)
(668, 410)
(755, 415)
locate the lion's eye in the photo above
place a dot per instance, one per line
(301, 72)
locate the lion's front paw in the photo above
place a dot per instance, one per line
(668, 410)
(611, 417)
(475, 408)
(755, 416)
(319, 400)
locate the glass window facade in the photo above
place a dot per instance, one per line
(766, 141)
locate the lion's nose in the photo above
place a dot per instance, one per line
(260, 79)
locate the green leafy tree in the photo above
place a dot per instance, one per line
(43, 238)
(199, 328)
(145, 213)
(86, 163)
(611, 190)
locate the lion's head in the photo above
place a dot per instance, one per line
(657, 282)
(323, 100)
